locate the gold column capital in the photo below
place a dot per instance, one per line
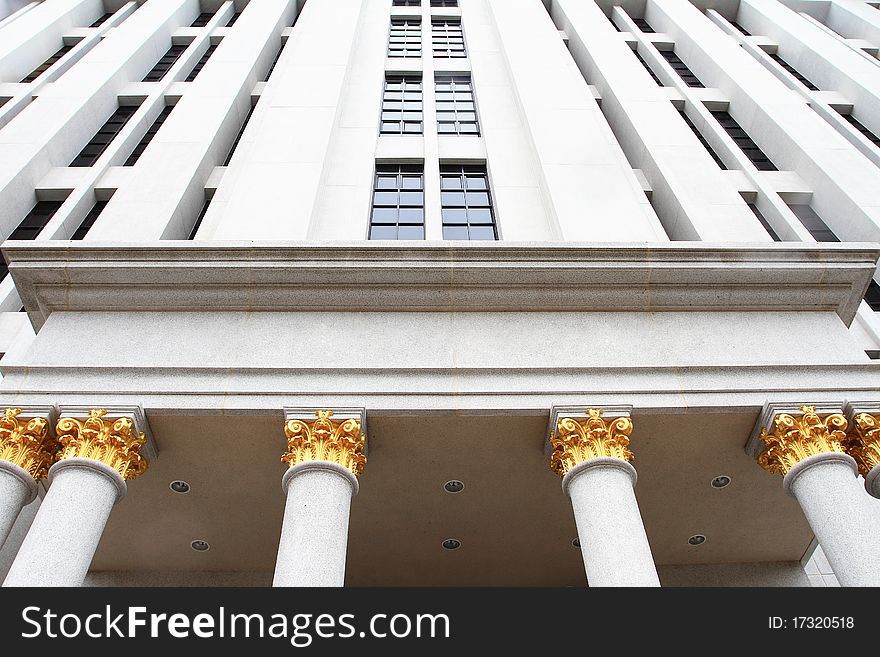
(115, 443)
(863, 443)
(577, 440)
(793, 438)
(323, 439)
(26, 442)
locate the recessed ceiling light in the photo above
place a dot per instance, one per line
(179, 486)
(697, 539)
(721, 481)
(453, 486)
(200, 546)
(576, 542)
(451, 544)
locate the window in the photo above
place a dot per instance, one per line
(101, 21)
(31, 225)
(800, 78)
(142, 146)
(233, 20)
(273, 64)
(193, 74)
(740, 28)
(102, 139)
(750, 148)
(203, 19)
(160, 70)
(456, 110)
(466, 203)
(447, 38)
(648, 68)
(407, 3)
(872, 296)
(702, 139)
(681, 68)
(813, 223)
(405, 39)
(238, 136)
(49, 63)
(200, 218)
(90, 219)
(643, 25)
(764, 222)
(398, 203)
(402, 105)
(444, 3)
(870, 136)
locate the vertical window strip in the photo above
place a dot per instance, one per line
(160, 70)
(793, 72)
(643, 25)
(238, 136)
(466, 203)
(147, 138)
(398, 211)
(200, 219)
(745, 143)
(234, 19)
(101, 21)
(447, 38)
(772, 233)
(813, 223)
(456, 106)
(402, 105)
(203, 19)
(870, 136)
(31, 226)
(444, 3)
(273, 64)
(89, 221)
(193, 74)
(104, 137)
(49, 63)
(702, 139)
(647, 68)
(681, 68)
(405, 38)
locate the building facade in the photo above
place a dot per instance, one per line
(440, 292)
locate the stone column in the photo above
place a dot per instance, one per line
(97, 457)
(26, 452)
(592, 457)
(809, 451)
(863, 444)
(325, 458)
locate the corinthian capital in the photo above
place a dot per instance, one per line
(27, 443)
(575, 440)
(324, 439)
(114, 442)
(792, 438)
(863, 443)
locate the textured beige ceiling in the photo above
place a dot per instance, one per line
(514, 522)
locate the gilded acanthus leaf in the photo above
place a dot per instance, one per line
(795, 437)
(326, 440)
(579, 440)
(27, 444)
(863, 443)
(116, 444)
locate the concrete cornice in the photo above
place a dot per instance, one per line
(371, 276)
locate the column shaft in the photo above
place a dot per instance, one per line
(613, 540)
(59, 547)
(17, 489)
(844, 518)
(314, 536)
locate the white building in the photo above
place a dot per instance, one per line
(490, 235)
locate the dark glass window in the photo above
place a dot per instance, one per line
(447, 38)
(160, 70)
(402, 105)
(49, 63)
(872, 296)
(407, 3)
(398, 202)
(444, 3)
(466, 203)
(742, 139)
(200, 219)
(405, 38)
(764, 222)
(740, 28)
(102, 139)
(233, 20)
(101, 21)
(238, 137)
(203, 19)
(813, 223)
(273, 64)
(858, 126)
(456, 108)
(643, 25)
(90, 219)
(648, 68)
(681, 68)
(797, 76)
(142, 145)
(193, 74)
(702, 139)
(31, 225)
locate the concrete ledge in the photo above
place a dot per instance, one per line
(439, 276)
